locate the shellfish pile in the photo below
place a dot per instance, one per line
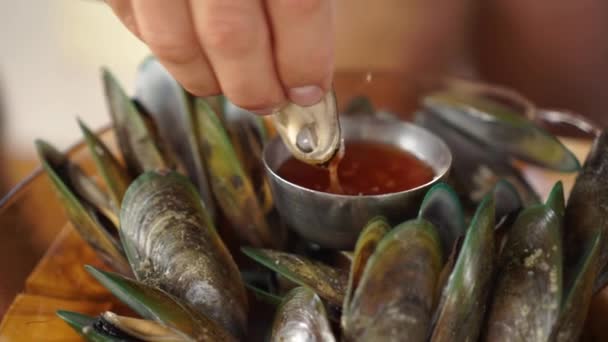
(175, 215)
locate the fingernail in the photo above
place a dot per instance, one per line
(306, 96)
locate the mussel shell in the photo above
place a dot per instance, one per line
(172, 108)
(396, 293)
(77, 321)
(500, 127)
(111, 327)
(141, 329)
(116, 177)
(136, 138)
(247, 136)
(301, 317)
(556, 199)
(230, 184)
(171, 244)
(154, 304)
(368, 240)
(476, 169)
(578, 294)
(328, 282)
(312, 134)
(81, 214)
(442, 208)
(464, 298)
(587, 209)
(528, 291)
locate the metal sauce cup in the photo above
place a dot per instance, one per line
(334, 221)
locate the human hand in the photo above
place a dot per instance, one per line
(258, 53)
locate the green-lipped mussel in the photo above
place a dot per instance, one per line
(484, 260)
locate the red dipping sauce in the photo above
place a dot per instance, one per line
(367, 168)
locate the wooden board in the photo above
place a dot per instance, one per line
(60, 274)
(33, 318)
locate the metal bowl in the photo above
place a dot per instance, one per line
(334, 221)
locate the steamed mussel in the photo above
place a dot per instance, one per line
(174, 214)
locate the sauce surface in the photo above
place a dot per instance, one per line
(367, 168)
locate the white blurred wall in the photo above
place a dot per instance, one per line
(50, 55)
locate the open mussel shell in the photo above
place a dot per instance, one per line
(301, 317)
(171, 243)
(114, 175)
(83, 216)
(396, 293)
(476, 169)
(501, 127)
(442, 208)
(230, 184)
(111, 327)
(154, 304)
(528, 291)
(328, 282)
(587, 210)
(464, 298)
(172, 108)
(371, 235)
(311, 134)
(135, 133)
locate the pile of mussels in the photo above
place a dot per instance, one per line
(485, 258)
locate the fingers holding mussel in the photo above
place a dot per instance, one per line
(171, 243)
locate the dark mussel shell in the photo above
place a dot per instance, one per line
(396, 293)
(464, 299)
(171, 243)
(587, 211)
(301, 317)
(475, 169)
(528, 292)
(173, 110)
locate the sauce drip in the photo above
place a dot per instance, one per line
(367, 168)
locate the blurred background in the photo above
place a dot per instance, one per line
(555, 52)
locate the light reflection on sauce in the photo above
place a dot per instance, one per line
(367, 168)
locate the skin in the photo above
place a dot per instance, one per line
(262, 53)
(258, 53)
